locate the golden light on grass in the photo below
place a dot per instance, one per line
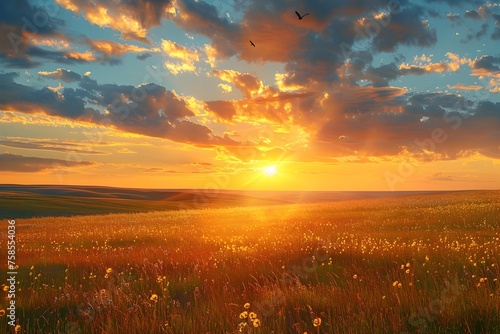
(270, 170)
(204, 241)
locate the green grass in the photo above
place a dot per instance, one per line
(413, 264)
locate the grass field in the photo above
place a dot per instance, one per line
(426, 263)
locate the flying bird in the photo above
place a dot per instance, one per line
(252, 44)
(301, 16)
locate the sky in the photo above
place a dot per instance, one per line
(385, 95)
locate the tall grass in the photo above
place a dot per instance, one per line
(403, 265)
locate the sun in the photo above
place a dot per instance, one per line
(270, 170)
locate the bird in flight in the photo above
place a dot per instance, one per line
(252, 44)
(301, 16)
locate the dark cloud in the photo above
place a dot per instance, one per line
(456, 3)
(489, 63)
(477, 35)
(455, 127)
(495, 35)
(472, 14)
(56, 146)
(223, 109)
(454, 18)
(19, 20)
(405, 28)
(149, 109)
(30, 100)
(19, 163)
(144, 56)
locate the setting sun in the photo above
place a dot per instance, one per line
(270, 170)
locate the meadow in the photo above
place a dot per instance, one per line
(415, 264)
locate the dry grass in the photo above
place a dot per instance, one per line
(415, 264)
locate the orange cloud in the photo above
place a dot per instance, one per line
(131, 21)
(249, 85)
(58, 44)
(116, 49)
(82, 56)
(179, 52)
(452, 66)
(188, 57)
(466, 87)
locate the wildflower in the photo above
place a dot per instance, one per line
(17, 329)
(317, 322)
(109, 271)
(400, 285)
(2, 313)
(407, 271)
(243, 315)
(408, 265)
(395, 283)
(252, 316)
(355, 276)
(256, 323)
(154, 297)
(6, 288)
(247, 305)
(426, 258)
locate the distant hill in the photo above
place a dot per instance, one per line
(24, 201)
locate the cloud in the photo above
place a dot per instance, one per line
(452, 65)
(22, 164)
(61, 74)
(144, 56)
(148, 109)
(446, 135)
(466, 87)
(56, 146)
(477, 35)
(245, 82)
(439, 176)
(223, 109)
(57, 42)
(186, 56)
(110, 48)
(456, 3)
(405, 28)
(472, 14)
(131, 18)
(17, 17)
(380, 76)
(486, 66)
(225, 88)
(454, 17)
